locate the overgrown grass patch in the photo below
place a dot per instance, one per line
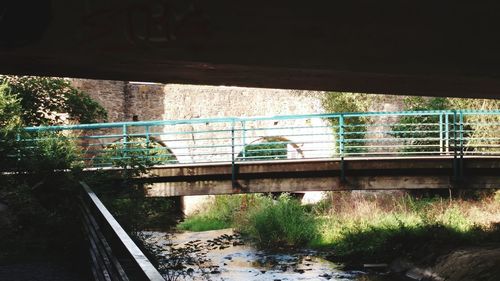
(218, 213)
(269, 222)
(386, 227)
(203, 223)
(369, 226)
(280, 222)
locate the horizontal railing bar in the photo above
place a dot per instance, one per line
(216, 138)
(248, 119)
(147, 269)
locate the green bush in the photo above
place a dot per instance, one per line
(270, 148)
(45, 100)
(49, 151)
(275, 223)
(267, 222)
(411, 129)
(354, 127)
(136, 152)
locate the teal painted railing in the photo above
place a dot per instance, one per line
(454, 133)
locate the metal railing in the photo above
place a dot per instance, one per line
(113, 254)
(456, 133)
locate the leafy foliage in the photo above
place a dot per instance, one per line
(482, 129)
(47, 152)
(136, 153)
(270, 148)
(49, 101)
(128, 203)
(354, 127)
(217, 214)
(479, 130)
(38, 195)
(268, 222)
(279, 223)
(10, 126)
(10, 111)
(411, 129)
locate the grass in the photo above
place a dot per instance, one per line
(219, 213)
(384, 227)
(203, 223)
(357, 226)
(280, 222)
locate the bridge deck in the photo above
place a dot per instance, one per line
(382, 173)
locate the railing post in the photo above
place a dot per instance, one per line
(233, 165)
(447, 133)
(441, 148)
(455, 152)
(147, 143)
(18, 140)
(461, 162)
(124, 141)
(243, 139)
(341, 148)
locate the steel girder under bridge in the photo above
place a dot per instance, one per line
(376, 150)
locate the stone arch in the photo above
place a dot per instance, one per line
(279, 148)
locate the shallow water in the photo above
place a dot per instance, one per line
(222, 255)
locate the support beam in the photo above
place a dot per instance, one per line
(322, 175)
(424, 47)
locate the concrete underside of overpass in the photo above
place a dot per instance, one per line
(324, 175)
(424, 47)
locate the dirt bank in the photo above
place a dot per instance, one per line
(471, 264)
(464, 264)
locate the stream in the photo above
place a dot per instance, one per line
(223, 255)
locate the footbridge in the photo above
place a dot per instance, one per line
(337, 151)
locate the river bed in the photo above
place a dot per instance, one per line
(223, 255)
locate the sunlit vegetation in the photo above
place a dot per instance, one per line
(219, 213)
(134, 151)
(373, 226)
(382, 226)
(270, 148)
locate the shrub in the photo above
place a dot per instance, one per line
(354, 127)
(270, 148)
(46, 100)
(136, 152)
(283, 222)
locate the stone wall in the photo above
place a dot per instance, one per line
(140, 101)
(109, 93)
(134, 101)
(144, 102)
(149, 101)
(190, 101)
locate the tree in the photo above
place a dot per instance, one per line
(354, 127)
(478, 132)
(420, 133)
(10, 124)
(51, 101)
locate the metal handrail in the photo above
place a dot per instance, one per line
(113, 254)
(308, 136)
